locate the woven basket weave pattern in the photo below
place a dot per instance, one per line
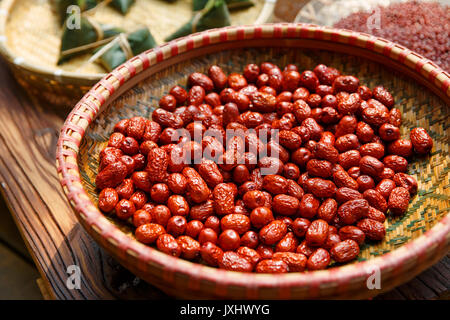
(186, 279)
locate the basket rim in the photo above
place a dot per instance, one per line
(71, 77)
(431, 242)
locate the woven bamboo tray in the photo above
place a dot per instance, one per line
(30, 35)
(421, 90)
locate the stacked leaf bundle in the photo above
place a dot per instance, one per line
(314, 164)
(209, 14)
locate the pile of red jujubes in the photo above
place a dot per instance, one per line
(333, 151)
(421, 26)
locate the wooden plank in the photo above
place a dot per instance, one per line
(30, 184)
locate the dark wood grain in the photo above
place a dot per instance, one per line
(28, 134)
(9, 235)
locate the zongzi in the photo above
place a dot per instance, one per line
(64, 6)
(88, 36)
(125, 47)
(214, 14)
(239, 4)
(122, 5)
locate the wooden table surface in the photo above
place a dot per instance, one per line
(29, 182)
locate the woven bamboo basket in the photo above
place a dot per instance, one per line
(421, 90)
(30, 35)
